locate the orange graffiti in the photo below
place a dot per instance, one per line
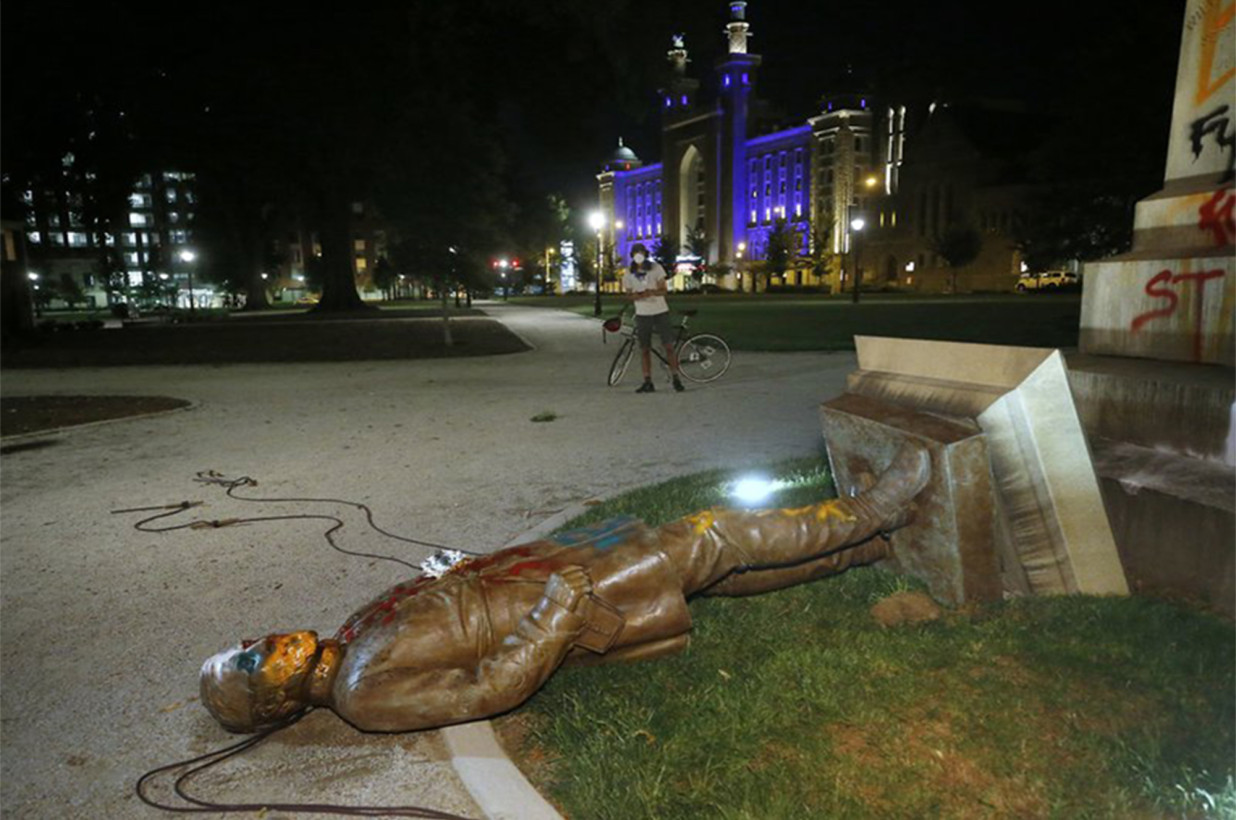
(1166, 277)
(1217, 18)
(1216, 216)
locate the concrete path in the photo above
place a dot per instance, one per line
(103, 628)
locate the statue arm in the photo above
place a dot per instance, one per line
(402, 700)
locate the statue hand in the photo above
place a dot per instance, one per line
(567, 587)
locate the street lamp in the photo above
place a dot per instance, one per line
(187, 256)
(856, 225)
(596, 221)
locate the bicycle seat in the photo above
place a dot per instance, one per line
(689, 312)
(614, 324)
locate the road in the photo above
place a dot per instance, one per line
(104, 628)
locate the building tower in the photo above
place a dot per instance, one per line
(844, 161)
(736, 81)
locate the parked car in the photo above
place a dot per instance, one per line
(1047, 280)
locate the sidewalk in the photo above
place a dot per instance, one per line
(104, 628)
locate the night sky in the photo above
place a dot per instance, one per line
(560, 80)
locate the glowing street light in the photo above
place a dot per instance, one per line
(596, 221)
(187, 256)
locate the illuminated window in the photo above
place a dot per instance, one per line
(57, 238)
(137, 220)
(131, 258)
(684, 99)
(767, 214)
(77, 240)
(135, 278)
(669, 103)
(358, 245)
(798, 209)
(361, 265)
(171, 194)
(753, 217)
(358, 208)
(34, 237)
(54, 220)
(140, 200)
(745, 78)
(726, 81)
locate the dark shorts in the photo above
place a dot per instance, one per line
(644, 325)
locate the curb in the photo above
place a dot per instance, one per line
(51, 431)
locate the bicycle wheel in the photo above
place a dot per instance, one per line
(619, 368)
(703, 358)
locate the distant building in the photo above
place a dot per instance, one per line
(726, 178)
(965, 170)
(64, 239)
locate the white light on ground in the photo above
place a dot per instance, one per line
(754, 489)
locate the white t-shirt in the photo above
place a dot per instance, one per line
(652, 280)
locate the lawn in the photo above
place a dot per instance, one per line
(804, 322)
(266, 337)
(797, 704)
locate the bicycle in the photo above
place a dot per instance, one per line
(701, 358)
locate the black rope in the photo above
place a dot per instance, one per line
(231, 485)
(219, 755)
(200, 806)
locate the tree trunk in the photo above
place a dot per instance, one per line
(335, 233)
(255, 285)
(446, 316)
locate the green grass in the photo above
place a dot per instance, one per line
(797, 322)
(796, 704)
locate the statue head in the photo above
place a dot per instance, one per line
(260, 683)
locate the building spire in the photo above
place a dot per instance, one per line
(677, 54)
(738, 28)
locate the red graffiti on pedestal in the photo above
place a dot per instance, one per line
(1159, 287)
(1216, 216)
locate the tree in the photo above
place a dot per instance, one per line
(782, 245)
(958, 246)
(823, 259)
(70, 291)
(384, 277)
(666, 253)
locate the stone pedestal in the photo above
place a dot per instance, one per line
(1014, 505)
(1154, 381)
(949, 544)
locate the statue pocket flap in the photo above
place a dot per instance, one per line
(604, 624)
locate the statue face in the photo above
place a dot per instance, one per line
(259, 683)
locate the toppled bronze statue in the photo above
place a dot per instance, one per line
(481, 639)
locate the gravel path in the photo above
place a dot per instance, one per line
(104, 628)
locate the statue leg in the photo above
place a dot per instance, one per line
(800, 543)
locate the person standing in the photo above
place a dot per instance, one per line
(645, 286)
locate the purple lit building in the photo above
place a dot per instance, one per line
(722, 183)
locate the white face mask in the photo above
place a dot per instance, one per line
(639, 258)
